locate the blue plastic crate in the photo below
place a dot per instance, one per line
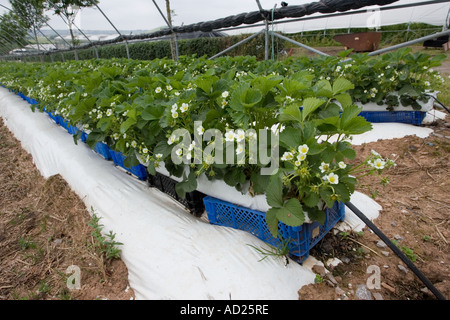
(83, 136)
(301, 238)
(139, 171)
(65, 124)
(408, 117)
(103, 149)
(52, 115)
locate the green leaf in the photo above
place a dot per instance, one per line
(311, 199)
(346, 150)
(131, 160)
(290, 137)
(163, 148)
(344, 99)
(152, 113)
(187, 185)
(272, 221)
(206, 84)
(292, 213)
(357, 125)
(318, 215)
(259, 182)
(250, 97)
(341, 85)
(104, 124)
(323, 88)
(326, 195)
(234, 177)
(291, 113)
(310, 105)
(127, 124)
(151, 168)
(348, 114)
(274, 192)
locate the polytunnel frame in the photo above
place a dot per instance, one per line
(373, 53)
(264, 14)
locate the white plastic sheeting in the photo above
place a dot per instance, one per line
(169, 253)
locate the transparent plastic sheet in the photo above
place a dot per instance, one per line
(169, 253)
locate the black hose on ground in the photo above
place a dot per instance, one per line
(442, 105)
(397, 251)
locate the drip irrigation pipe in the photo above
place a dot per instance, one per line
(442, 105)
(396, 250)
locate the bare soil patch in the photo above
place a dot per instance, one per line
(44, 229)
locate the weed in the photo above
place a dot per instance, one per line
(26, 244)
(44, 287)
(105, 244)
(318, 278)
(407, 251)
(280, 251)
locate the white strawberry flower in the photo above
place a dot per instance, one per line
(200, 130)
(333, 178)
(301, 157)
(287, 156)
(229, 136)
(324, 167)
(379, 164)
(303, 149)
(240, 135)
(184, 107)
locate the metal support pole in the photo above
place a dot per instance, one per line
(67, 23)
(408, 43)
(170, 27)
(300, 44)
(237, 44)
(266, 23)
(106, 17)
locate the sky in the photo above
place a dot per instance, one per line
(143, 14)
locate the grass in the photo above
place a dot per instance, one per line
(444, 95)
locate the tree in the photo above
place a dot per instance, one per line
(31, 14)
(12, 33)
(68, 10)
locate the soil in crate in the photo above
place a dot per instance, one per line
(193, 200)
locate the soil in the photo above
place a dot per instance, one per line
(44, 229)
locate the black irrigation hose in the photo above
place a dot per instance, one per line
(442, 105)
(396, 250)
